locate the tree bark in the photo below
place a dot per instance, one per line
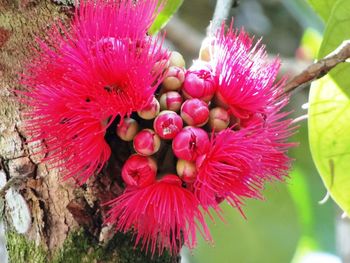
(65, 221)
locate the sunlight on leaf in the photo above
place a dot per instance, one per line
(329, 132)
(329, 113)
(322, 7)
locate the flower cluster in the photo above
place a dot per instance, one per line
(199, 136)
(85, 75)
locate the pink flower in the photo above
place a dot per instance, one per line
(79, 81)
(226, 169)
(246, 79)
(238, 163)
(163, 215)
(241, 159)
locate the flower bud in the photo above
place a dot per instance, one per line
(150, 111)
(174, 78)
(219, 119)
(190, 143)
(199, 82)
(186, 170)
(168, 124)
(205, 52)
(146, 142)
(195, 112)
(127, 129)
(139, 171)
(176, 59)
(170, 100)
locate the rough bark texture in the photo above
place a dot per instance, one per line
(66, 220)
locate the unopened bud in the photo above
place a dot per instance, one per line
(176, 59)
(127, 129)
(186, 170)
(199, 82)
(146, 142)
(171, 100)
(174, 78)
(139, 171)
(205, 52)
(168, 124)
(219, 119)
(150, 111)
(190, 143)
(195, 112)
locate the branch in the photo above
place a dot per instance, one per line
(319, 68)
(221, 13)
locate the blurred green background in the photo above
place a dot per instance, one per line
(289, 225)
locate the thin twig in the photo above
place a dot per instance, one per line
(319, 68)
(221, 13)
(13, 181)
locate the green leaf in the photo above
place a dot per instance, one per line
(329, 113)
(170, 8)
(322, 7)
(269, 234)
(337, 30)
(329, 132)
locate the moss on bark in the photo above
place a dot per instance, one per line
(80, 247)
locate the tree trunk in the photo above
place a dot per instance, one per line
(65, 222)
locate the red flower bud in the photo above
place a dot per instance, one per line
(176, 59)
(127, 129)
(219, 119)
(146, 142)
(170, 100)
(174, 79)
(190, 143)
(199, 82)
(186, 170)
(168, 124)
(205, 52)
(139, 171)
(195, 112)
(150, 111)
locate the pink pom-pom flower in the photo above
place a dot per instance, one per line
(238, 163)
(104, 67)
(83, 76)
(246, 79)
(163, 215)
